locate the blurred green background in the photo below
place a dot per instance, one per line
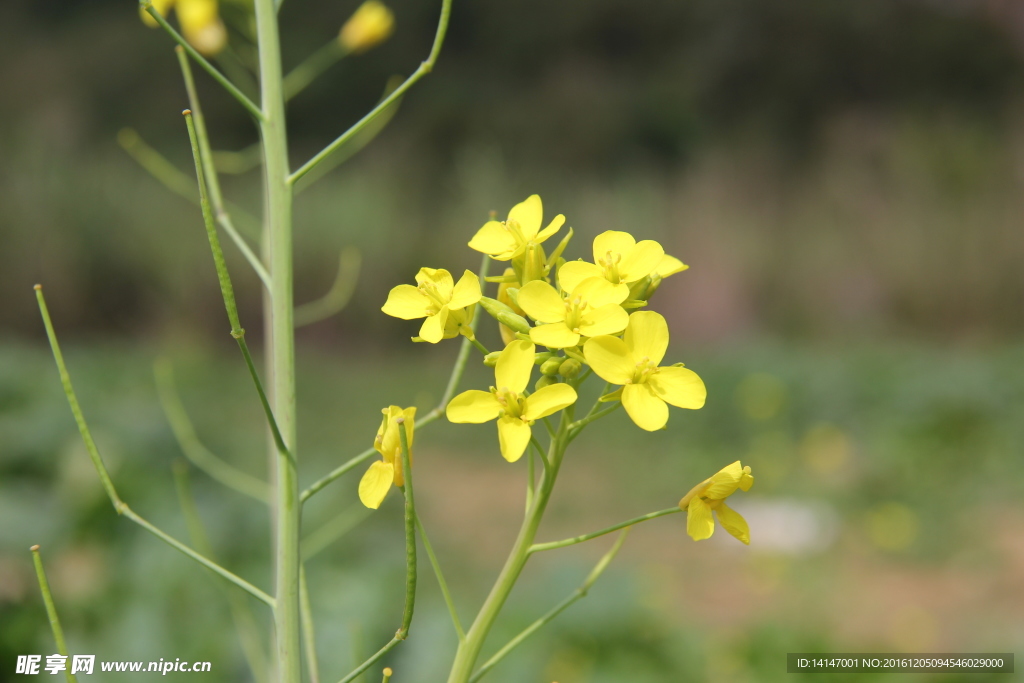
(845, 180)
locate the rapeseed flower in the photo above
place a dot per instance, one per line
(377, 481)
(644, 289)
(633, 363)
(591, 308)
(369, 26)
(200, 22)
(618, 258)
(710, 495)
(446, 305)
(508, 403)
(517, 235)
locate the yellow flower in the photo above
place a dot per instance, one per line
(512, 238)
(368, 27)
(377, 481)
(506, 401)
(710, 495)
(617, 257)
(642, 290)
(200, 23)
(447, 306)
(591, 308)
(633, 362)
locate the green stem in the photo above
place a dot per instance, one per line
(308, 630)
(421, 71)
(387, 675)
(575, 596)
(410, 533)
(51, 612)
(318, 540)
(441, 581)
(576, 427)
(339, 294)
(538, 547)
(101, 470)
(480, 347)
(374, 658)
(313, 66)
(201, 61)
(469, 650)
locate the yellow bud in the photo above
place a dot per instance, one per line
(544, 381)
(505, 315)
(569, 368)
(368, 27)
(550, 366)
(491, 359)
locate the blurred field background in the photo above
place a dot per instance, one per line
(846, 181)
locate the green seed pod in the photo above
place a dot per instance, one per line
(550, 366)
(545, 380)
(505, 315)
(491, 359)
(569, 368)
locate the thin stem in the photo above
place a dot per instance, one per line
(339, 471)
(308, 629)
(312, 67)
(119, 505)
(210, 170)
(410, 533)
(480, 347)
(540, 451)
(388, 673)
(576, 595)
(282, 449)
(358, 671)
(339, 294)
(193, 448)
(201, 61)
(51, 612)
(421, 71)
(538, 547)
(531, 479)
(236, 163)
(319, 540)
(441, 581)
(245, 623)
(577, 427)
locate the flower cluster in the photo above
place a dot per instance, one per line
(588, 318)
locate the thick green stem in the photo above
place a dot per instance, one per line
(278, 219)
(469, 650)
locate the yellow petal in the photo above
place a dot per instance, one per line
(528, 214)
(548, 400)
(644, 408)
(493, 239)
(640, 261)
(608, 319)
(466, 292)
(612, 241)
(513, 437)
(746, 479)
(573, 273)
(733, 522)
(541, 302)
(670, 265)
(432, 329)
(725, 482)
(440, 278)
(597, 291)
(407, 302)
(610, 359)
(699, 522)
(514, 366)
(376, 483)
(473, 407)
(680, 387)
(647, 336)
(554, 336)
(553, 227)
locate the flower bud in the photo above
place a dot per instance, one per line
(550, 366)
(540, 357)
(368, 27)
(491, 359)
(505, 315)
(544, 381)
(569, 368)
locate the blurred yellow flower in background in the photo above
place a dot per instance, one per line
(507, 403)
(200, 22)
(710, 495)
(633, 363)
(377, 481)
(369, 26)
